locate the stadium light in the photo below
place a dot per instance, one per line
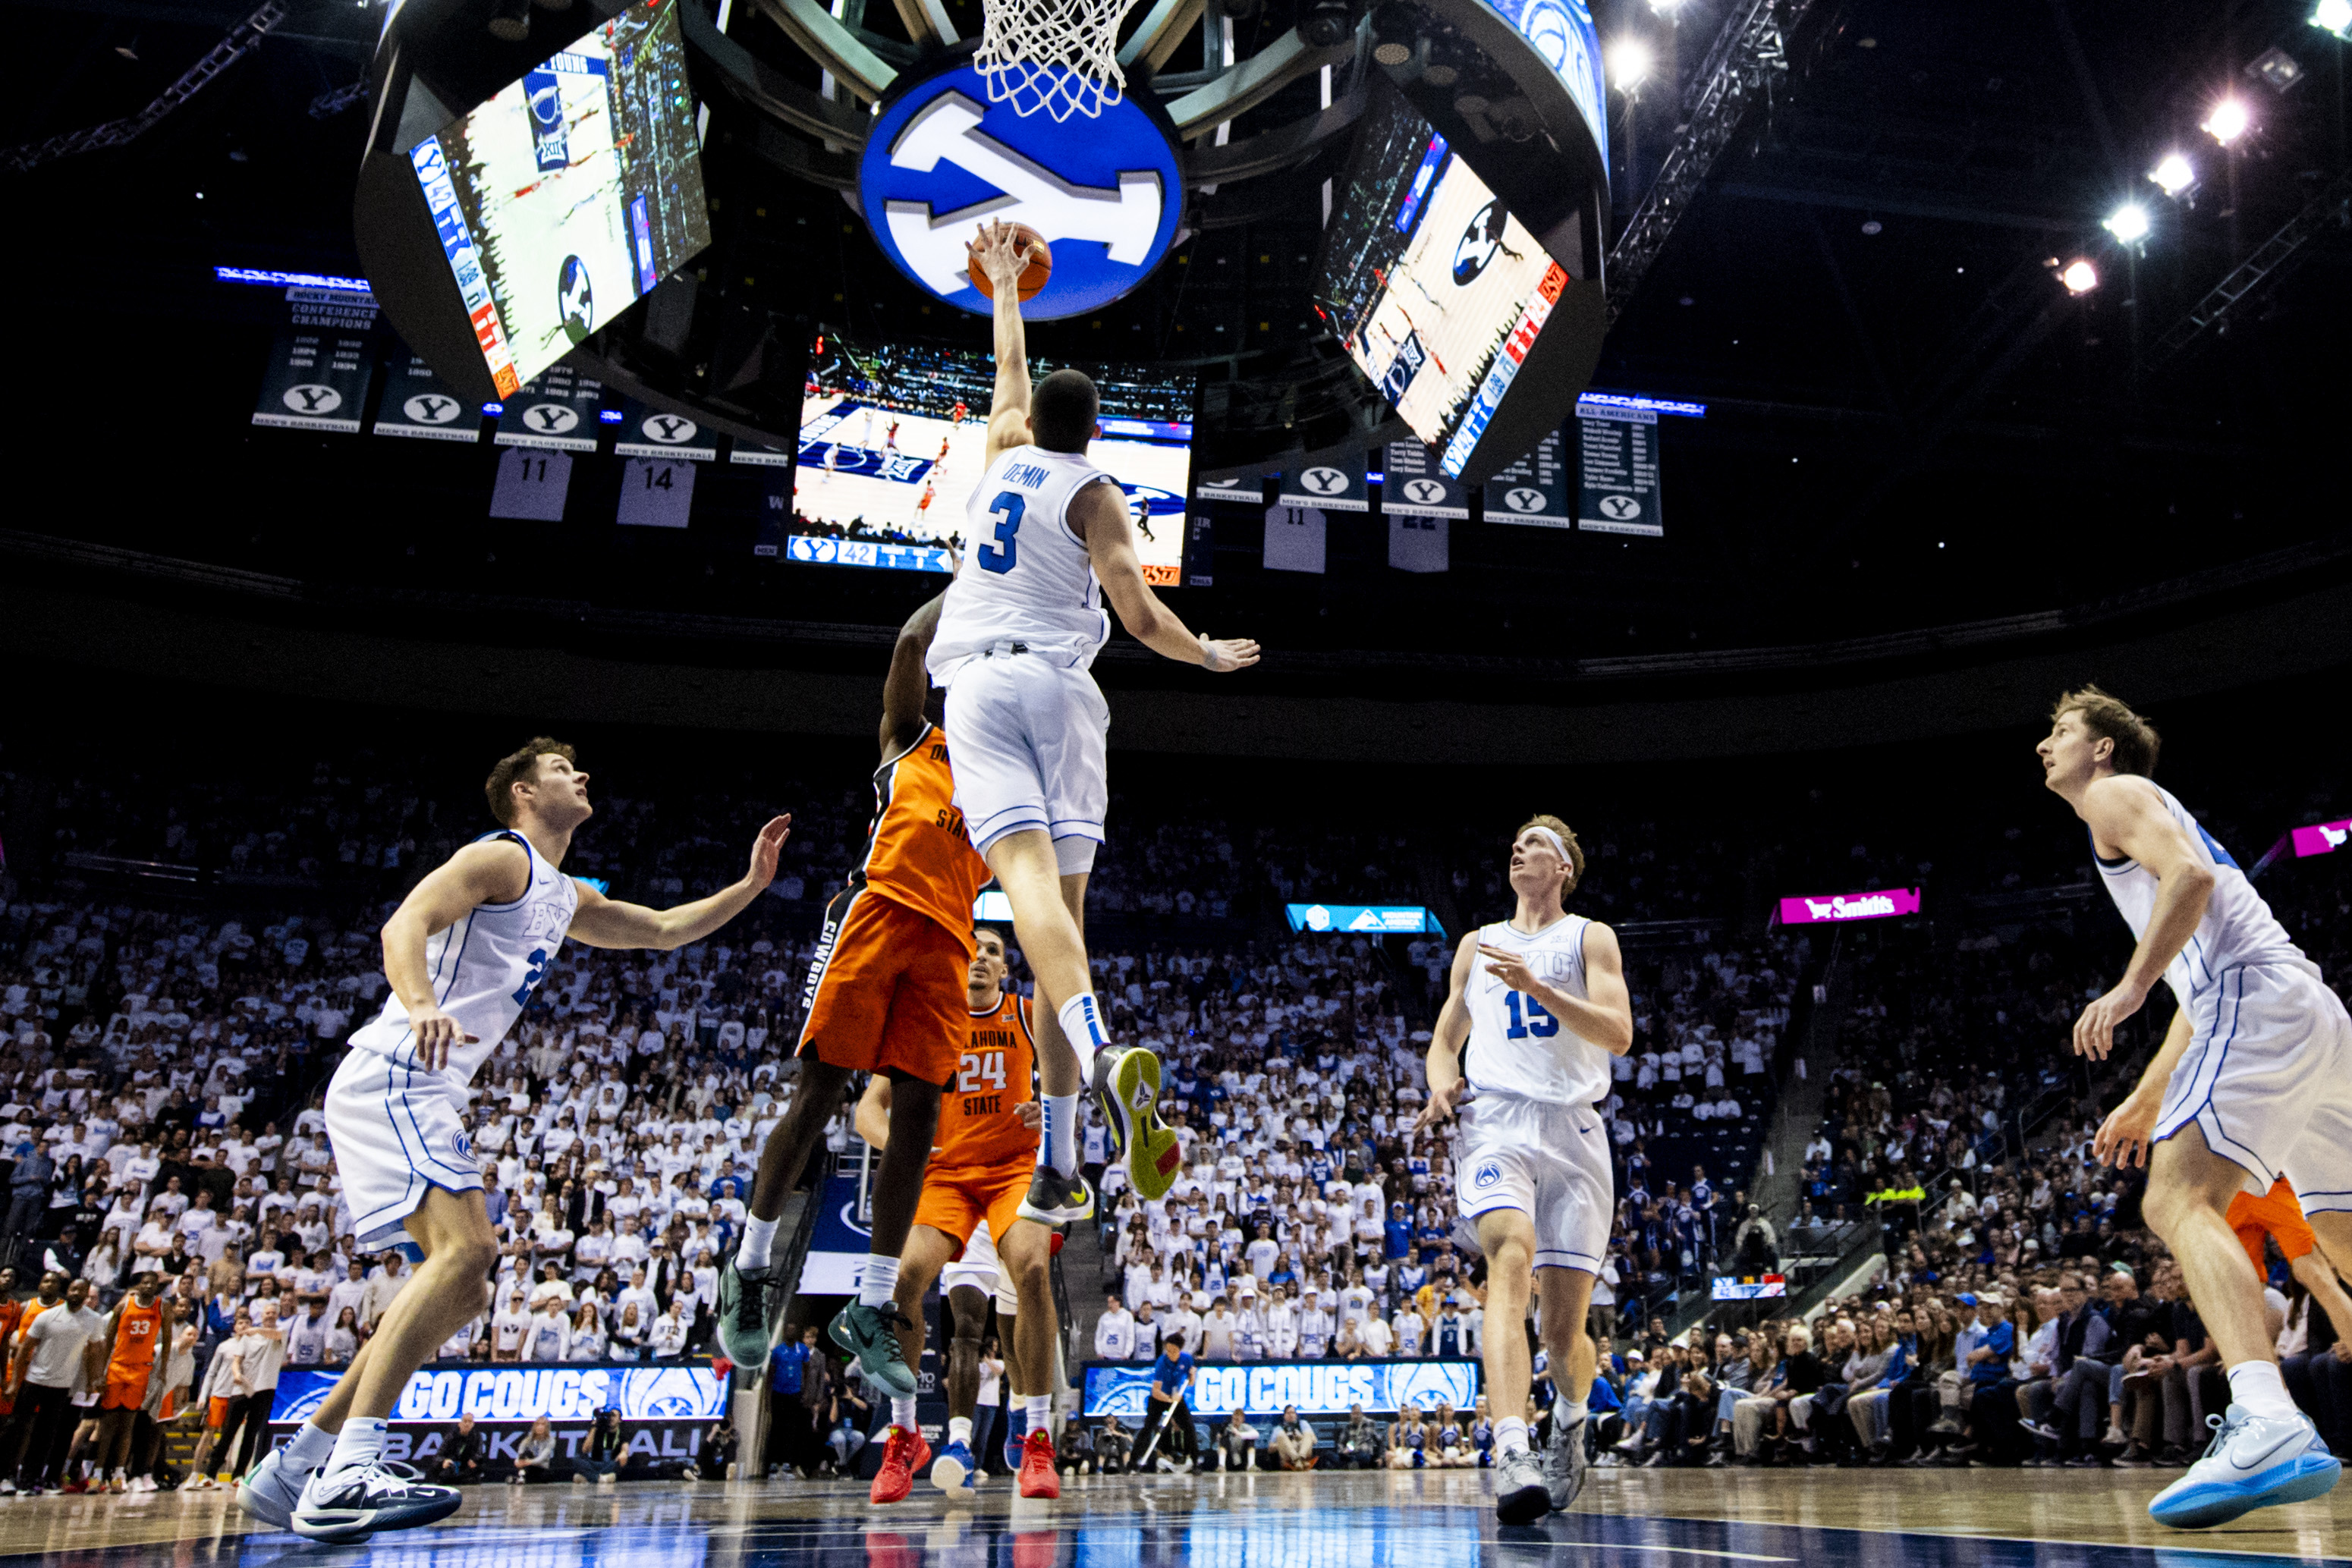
(2127, 223)
(1629, 63)
(2080, 277)
(2174, 173)
(2228, 121)
(2334, 16)
(1669, 10)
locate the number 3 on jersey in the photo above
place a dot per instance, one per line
(1001, 556)
(1537, 1022)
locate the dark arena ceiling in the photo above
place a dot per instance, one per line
(1912, 423)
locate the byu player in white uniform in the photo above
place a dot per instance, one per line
(464, 952)
(1025, 723)
(1521, 1051)
(2253, 1083)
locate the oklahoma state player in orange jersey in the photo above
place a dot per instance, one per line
(983, 1161)
(135, 1340)
(886, 995)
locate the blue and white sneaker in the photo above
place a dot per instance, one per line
(2254, 1461)
(955, 1470)
(271, 1489)
(353, 1503)
(1016, 1432)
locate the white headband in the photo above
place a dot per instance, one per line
(1553, 840)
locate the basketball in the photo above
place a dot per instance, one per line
(1033, 279)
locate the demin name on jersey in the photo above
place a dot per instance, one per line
(1028, 476)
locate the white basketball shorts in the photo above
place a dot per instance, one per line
(978, 1268)
(1547, 1160)
(2268, 1080)
(1026, 738)
(397, 1132)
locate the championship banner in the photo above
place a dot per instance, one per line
(317, 377)
(1419, 544)
(1332, 482)
(417, 403)
(1263, 1388)
(1532, 491)
(532, 486)
(1413, 486)
(1237, 489)
(651, 433)
(656, 493)
(1293, 539)
(556, 411)
(1617, 469)
(665, 1406)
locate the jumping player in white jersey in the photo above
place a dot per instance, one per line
(464, 952)
(2253, 1083)
(1536, 1007)
(1023, 621)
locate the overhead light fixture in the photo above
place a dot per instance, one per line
(129, 51)
(1669, 10)
(2227, 122)
(2080, 277)
(2174, 173)
(2277, 69)
(509, 20)
(1327, 24)
(2333, 16)
(1629, 63)
(2127, 223)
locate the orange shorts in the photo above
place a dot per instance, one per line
(216, 1415)
(124, 1394)
(956, 1200)
(887, 992)
(2275, 1215)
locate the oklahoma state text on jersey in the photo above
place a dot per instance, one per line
(917, 852)
(979, 1119)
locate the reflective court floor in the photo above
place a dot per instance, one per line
(1944, 1519)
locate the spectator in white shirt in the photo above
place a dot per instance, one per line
(1115, 1331)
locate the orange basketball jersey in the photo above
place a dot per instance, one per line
(979, 1120)
(138, 1335)
(917, 852)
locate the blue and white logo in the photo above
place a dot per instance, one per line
(1487, 1175)
(576, 298)
(943, 160)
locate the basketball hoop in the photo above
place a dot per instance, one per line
(1060, 57)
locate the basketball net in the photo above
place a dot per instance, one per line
(1060, 57)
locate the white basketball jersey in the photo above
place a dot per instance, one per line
(1518, 1047)
(483, 969)
(2238, 927)
(1027, 579)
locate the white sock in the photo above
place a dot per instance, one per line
(1510, 1436)
(902, 1413)
(358, 1445)
(1082, 1026)
(880, 1280)
(2257, 1385)
(1041, 1411)
(308, 1447)
(959, 1429)
(758, 1239)
(1061, 1143)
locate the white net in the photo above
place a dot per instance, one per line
(1056, 57)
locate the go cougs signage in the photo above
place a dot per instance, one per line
(1843, 906)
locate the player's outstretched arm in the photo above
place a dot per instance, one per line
(496, 871)
(1445, 1042)
(909, 686)
(602, 921)
(2125, 814)
(1098, 514)
(1003, 258)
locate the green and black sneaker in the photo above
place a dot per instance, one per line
(871, 1334)
(752, 1307)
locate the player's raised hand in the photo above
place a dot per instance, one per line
(766, 848)
(2129, 1132)
(436, 1032)
(2094, 1031)
(1001, 253)
(1442, 1104)
(1509, 966)
(1224, 655)
(1031, 1114)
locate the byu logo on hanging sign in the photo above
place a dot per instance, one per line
(1524, 498)
(1428, 492)
(1323, 481)
(942, 158)
(1619, 509)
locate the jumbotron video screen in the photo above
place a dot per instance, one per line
(1436, 290)
(893, 439)
(566, 198)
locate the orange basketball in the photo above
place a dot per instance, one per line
(1033, 277)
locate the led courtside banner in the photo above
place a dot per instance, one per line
(1841, 906)
(671, 1390)
(1264, 1387)
(1365, 919)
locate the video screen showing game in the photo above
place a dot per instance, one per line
(561, 201)
(1434, 288)
(893, 439)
